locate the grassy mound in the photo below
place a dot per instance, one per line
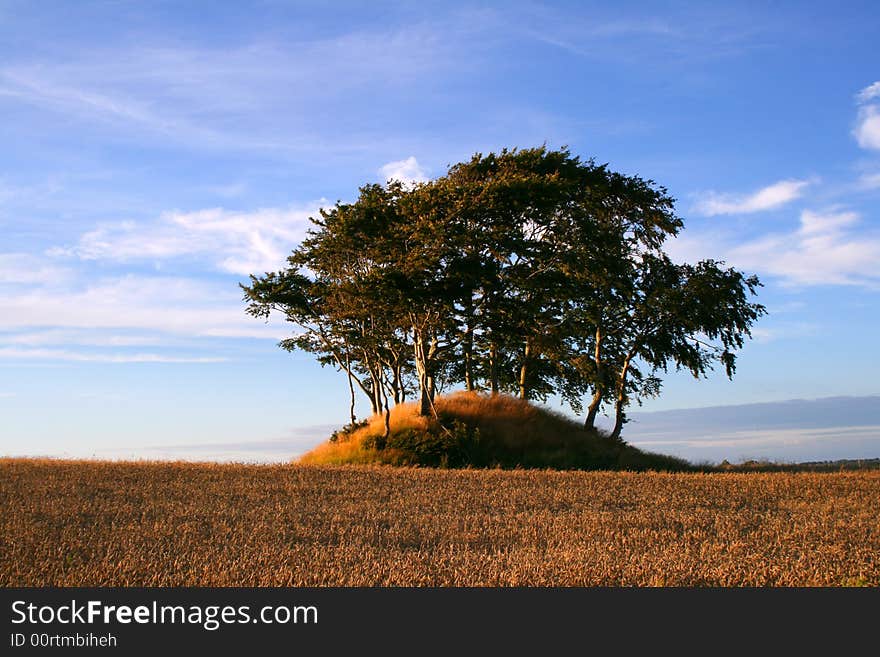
(479, 431)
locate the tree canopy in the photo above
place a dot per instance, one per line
(530, 272)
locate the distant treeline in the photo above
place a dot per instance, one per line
(805, 466)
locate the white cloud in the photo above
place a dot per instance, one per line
(90, 337)
(823, 251)
(869, 93)
(767, 198)
(689, 246)
(813, 223)
(867, 130)
(827, 248)
(18, 353)
(164, 305)
(113, 317)
(407, 171)
(48, 311)
(234, 242)
(30, 269)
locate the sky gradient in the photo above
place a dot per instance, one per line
(156, 154)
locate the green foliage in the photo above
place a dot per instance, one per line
(454, 446)
(347, 430)
(529, 272)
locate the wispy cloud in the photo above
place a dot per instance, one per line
(293, 94)
(152, 304)
(31, 269)
(233, 242)
(766, 198)
(592, 39)
(869, 93)
(108, 320)
(407, 171)
(661, 39)
(827, 248)
(867, 129)
(88, 337)
(869, 181)
(785, 331)
(30, 87)
(67, 355)
(259, 95)
(823, 251)
(62, 308)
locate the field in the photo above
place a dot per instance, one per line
(67, 523)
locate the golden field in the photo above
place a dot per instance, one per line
(80, 523)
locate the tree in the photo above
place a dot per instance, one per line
(686, 315)
(334, 291)
(530, 272)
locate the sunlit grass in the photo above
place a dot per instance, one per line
(70, 523)
(479, 430)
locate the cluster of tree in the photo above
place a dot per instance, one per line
(529, 271)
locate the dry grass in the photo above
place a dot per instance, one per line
(68, 523)
(486, 431)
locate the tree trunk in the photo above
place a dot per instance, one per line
(377, 393)
(374, 370)
(425, 400)
(493, 368)
(593, 410)
(394, 382)
(468, 349)
(399, 392)
(523, 373)
(421, 361)
(620, 402)
(619, 418)
(381, 444)
(350, 388)
(346, 365)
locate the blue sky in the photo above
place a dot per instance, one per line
(154, 154)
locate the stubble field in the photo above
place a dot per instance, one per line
(69, 523)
